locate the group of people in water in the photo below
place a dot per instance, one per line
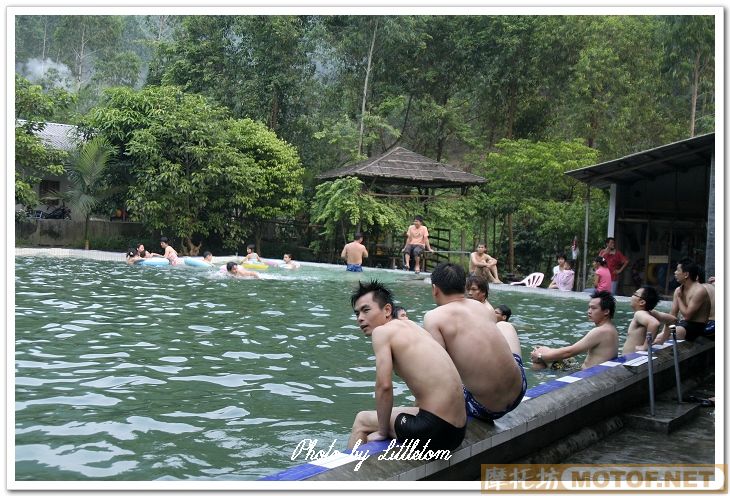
(466, 358)
(232, 268)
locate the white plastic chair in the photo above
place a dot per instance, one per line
(531, 281)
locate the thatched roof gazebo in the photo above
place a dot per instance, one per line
(406, 168)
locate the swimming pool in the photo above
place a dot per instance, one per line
(171, 373)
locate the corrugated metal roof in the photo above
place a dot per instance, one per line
(649, 163)
(58, 136)
(401, 166)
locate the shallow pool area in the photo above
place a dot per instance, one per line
(174, 373)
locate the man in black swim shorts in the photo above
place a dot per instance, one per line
(426, 369)
(691, 300)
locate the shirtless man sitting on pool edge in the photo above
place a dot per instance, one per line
(401, 346)
(493, 377)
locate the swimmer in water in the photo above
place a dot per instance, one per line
(236, 270)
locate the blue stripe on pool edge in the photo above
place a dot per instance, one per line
(300, 472)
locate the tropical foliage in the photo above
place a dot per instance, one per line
(197, 171)
(221, 122)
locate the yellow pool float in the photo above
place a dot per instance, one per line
(255, 265)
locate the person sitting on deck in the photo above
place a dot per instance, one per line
(483, 264)
(646, 319)
(401, 346)
(493, 377)
(601, 276)
(564, 278)
(416, 243)
(601, 342)
(692, 300)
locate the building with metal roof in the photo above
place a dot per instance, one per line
(662, 208)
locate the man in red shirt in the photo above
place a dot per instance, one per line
(616, 261)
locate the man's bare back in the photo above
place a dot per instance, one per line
(479, 351)
(354, 252)
(411, 347)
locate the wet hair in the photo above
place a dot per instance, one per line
(481, 282)
(650, 296)
(418, 218)
(358, 235)
(608, 302)
(286, 255)
(692, 268)
(449, 278)
(230, 265)
(396, 310)
(206, 253)
(164, 239)
(506, 311)
(251, 247)
(381, 294)
(601, 261)
(131, 252)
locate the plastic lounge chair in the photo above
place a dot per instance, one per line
(531, 281)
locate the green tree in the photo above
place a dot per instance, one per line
(83, 39)
(690, 45)
(341, 205)
(526, 185)
(33, 158)
(88, 180)
(196, 170)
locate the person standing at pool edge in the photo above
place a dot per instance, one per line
(493, 378)
(615, 260)
(401, 346)
(353, 253)
(416, 243)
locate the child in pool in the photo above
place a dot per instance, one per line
(288, 262)
(251, 255)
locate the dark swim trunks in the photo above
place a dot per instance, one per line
(425, 426)
(354, 268)
(476, 409)
(694, 329)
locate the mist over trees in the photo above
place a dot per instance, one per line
(467, 90)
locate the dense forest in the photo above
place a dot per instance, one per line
(516, 99)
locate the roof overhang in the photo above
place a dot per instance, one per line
(649, 164)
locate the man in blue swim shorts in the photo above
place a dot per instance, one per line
(353, 253)
(439, 420)
(493, 378)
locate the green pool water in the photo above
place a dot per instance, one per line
(167, 373)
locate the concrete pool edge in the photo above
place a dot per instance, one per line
(553, 410)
